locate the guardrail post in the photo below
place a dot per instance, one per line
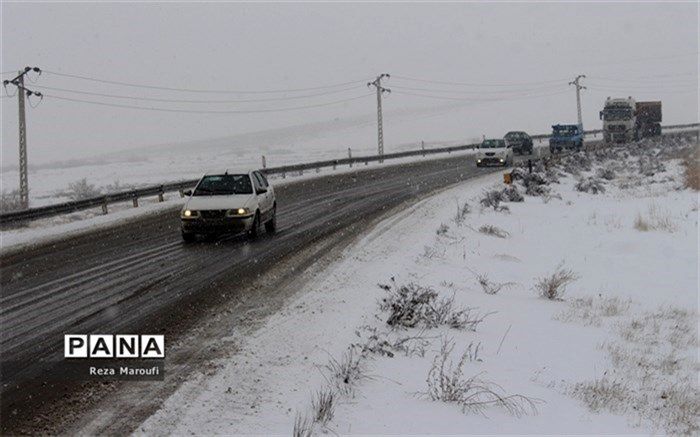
(422, 147)
(160, 194)
(264, 163)
(301, 172)
(182, 192)
(104, 206)
(350, 156)
(284, 175)
(135, 200)
(335, 164)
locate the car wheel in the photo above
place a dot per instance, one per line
(255, 229)
(271, 225)
(188, 237)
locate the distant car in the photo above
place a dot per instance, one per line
(229, 203)
(519, 141)
(494, 152)
(566, 136)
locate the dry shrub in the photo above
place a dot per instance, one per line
(491, 287)
(447, 383)
(323, 405)
(10, 201)
(691, 174)
(81, 189)
(494, 231)
(346, 371)
(462, 212)
(493, 199)
(658, 220)
(553, 287)
(442, 229)
(590, 185)
(303, 426)
(413, 305)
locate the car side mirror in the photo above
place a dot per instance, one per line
(187, 193)
(261, 191)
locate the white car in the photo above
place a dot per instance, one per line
(494, 152)
(224, 203)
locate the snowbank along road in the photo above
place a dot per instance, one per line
(141, 276)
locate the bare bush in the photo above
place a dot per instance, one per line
(592, 311)
(553, 287)
(10, 201)
(606, 173)
(323, 405)
(590, 185)
(462, 212)
(491, 287)
(447, 383)
(691, 173)
(413, 305)
(303, 426)
(347, 371)
(494, 231)
(117, 187)
(493, 199)
(658, 220)
(442, 229)
(511, 194)
(81, 189)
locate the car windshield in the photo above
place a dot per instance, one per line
(219, 185)
(566, 131)
(515, 135)
(617, 114)
(492, 144)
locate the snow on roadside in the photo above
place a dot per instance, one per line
(616, 353)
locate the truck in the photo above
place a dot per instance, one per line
(566, 136)
(625, 119)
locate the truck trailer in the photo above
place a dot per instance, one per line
(625, 119)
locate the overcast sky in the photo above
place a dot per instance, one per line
(522, 54)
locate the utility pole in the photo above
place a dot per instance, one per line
(579, 87)
(23, 93)
(377, 83)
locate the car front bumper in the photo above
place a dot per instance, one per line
(489, 160)
(216, 225)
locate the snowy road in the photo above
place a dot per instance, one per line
(140, 276)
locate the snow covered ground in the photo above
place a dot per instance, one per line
(472, 346)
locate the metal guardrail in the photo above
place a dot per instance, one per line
(15, 217)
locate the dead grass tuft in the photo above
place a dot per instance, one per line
(494, 231)
(447, 383)
(553, 287)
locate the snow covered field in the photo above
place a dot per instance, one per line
(118, 171)
(438, 321)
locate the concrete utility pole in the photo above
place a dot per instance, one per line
(579, 87)
(377, 83)
(23, 93)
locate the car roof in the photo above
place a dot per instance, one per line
(226, 172)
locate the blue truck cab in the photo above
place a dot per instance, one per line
(566, 136)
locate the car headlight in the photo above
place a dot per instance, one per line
(501, 160)
(237, 212)
(188, 213)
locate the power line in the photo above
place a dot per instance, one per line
(433, 90)
(204, 91)
(193, 111)
(155, 99)
(474, 84)
(473, 99)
